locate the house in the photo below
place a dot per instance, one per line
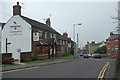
(102, 44)
(112, 44)
(1, 27)
(90, 47)
(28, 39)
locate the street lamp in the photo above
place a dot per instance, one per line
(74, 36)
(74, 31)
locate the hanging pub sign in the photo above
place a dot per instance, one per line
(15, 30)
(35, 36)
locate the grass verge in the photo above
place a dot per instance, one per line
(6, 65)
(68, 57)
(39, 61)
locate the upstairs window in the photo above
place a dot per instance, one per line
(54, 36)
(40, 34)
(63, 42)
(45, 35)
(116, 40)
(50, 35)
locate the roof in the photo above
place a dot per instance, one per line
(113, 37)
(36, 24)
(41, 43)
(2, 24)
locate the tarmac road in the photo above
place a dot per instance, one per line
(81, 68)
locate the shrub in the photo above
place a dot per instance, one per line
(8, 60)
(65, 54)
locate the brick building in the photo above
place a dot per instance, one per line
(112, 44)
(32, 39)
(90, 47)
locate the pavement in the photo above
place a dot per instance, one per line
(24, 65)
(83, 68)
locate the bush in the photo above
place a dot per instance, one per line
(101, 50)
(65, 54)
(8, 60)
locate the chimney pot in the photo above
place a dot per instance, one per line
(17, 3)
(48, 22)
(17, 9)
(111, 33)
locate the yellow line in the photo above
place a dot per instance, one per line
(18, 70)
(102, 70)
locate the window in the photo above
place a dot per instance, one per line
(66, 43)
(45, 34)
(55, 48)
(40, 49)
(63, 42)
(45, 49)
(116, 45)
(50, 35)
(40, 35)
(59, 48)
(54, 36)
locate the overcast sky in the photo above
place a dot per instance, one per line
(94, 17)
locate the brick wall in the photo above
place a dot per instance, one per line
(25, 56)
(112, 47)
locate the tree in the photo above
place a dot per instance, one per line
(101, 50)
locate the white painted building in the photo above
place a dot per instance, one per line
(18, 33)
(0, 36)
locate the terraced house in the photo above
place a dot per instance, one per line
(112, 44)
(31, 39)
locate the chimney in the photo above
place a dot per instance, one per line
(16, 9)
(48, 22)
(87, 42)
(65, 34)
(93, 42)
(111, 33)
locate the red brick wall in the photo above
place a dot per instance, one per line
(42, 57)
(5, 55)
(112, 45)
(26, 56)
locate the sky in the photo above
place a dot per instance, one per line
(95, 17)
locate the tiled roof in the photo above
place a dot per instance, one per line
(36, 24)
(113, 37)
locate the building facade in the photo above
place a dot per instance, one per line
(90, 47)
(27, 39)
(112, 44)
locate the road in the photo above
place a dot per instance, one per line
(82, 68)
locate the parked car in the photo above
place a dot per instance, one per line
(85, 56)
(81, 54)
(93, 55)
(89, 55)
(114, 56)
(97, 55)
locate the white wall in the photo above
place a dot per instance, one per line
(0, 37)
(18, 41)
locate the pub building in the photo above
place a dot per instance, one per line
(30, 39)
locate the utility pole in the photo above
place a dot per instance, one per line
(77, 45)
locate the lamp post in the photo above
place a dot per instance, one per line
(74, 36)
